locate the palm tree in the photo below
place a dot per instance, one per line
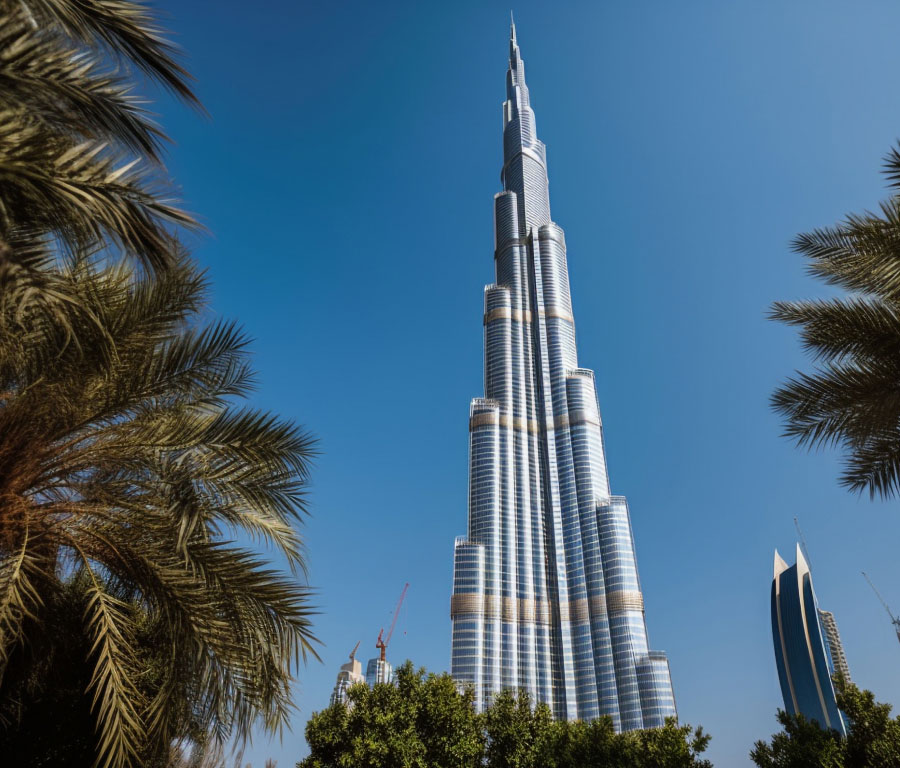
(80, 158)
(130, 482)
(852, 397)
(127, 474)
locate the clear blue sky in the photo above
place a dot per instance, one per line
(346, 174)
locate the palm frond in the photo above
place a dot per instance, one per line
(83, 194)
(69, 91)
(874, 466)
(861, 255)
(852, 398)
(839, 329)
(116, 697)
(80, 161)
(122, 437)
(128, 30)
(19, 597)
(838, 403)
(891, 167)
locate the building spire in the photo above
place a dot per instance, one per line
(514, 54)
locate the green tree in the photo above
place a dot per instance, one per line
(423, 721)
(672, 746)
(852, 397)
(127, 470)
(800, 744)
(577, 744)
(519, 734)
(450, 734)
(427, 722)
(873, 738)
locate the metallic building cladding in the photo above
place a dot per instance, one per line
(546, 596)
(802, 654)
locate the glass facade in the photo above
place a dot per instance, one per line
(804, 651)
(378, 671)
(546, 594)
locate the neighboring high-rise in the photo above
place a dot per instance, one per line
(378, 671)
(834, 645)
(350, 674)
(546, 595)
(807, 646)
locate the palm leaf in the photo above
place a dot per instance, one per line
(128, 30)
(852, 397)
(116, 697)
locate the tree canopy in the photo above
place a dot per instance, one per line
(873, 739)
(429, 721)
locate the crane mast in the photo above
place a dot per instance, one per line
(895, 620)
(383, 644)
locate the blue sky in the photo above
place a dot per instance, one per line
(346, 174)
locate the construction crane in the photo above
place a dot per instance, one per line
(355, 649)
(895, 620)
(383, 644)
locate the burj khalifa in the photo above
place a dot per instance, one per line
(546, 594)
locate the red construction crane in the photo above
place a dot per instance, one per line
(383, 644)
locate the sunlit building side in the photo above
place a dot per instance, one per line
(546, 593)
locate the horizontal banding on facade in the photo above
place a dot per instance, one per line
(561, 314)
(506, 313)
(494, 418)
(528, 611)
(575, 418)
(624, 600)
(509, 609)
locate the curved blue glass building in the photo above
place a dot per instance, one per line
(807, 645)
(546, 593)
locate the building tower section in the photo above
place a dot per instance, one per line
(546, 594)
(350, 674)
(808, 647)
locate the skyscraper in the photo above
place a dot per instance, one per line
(546, 595)
(378, 671)
(807, 646)
(350, 674)
(835, 647)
